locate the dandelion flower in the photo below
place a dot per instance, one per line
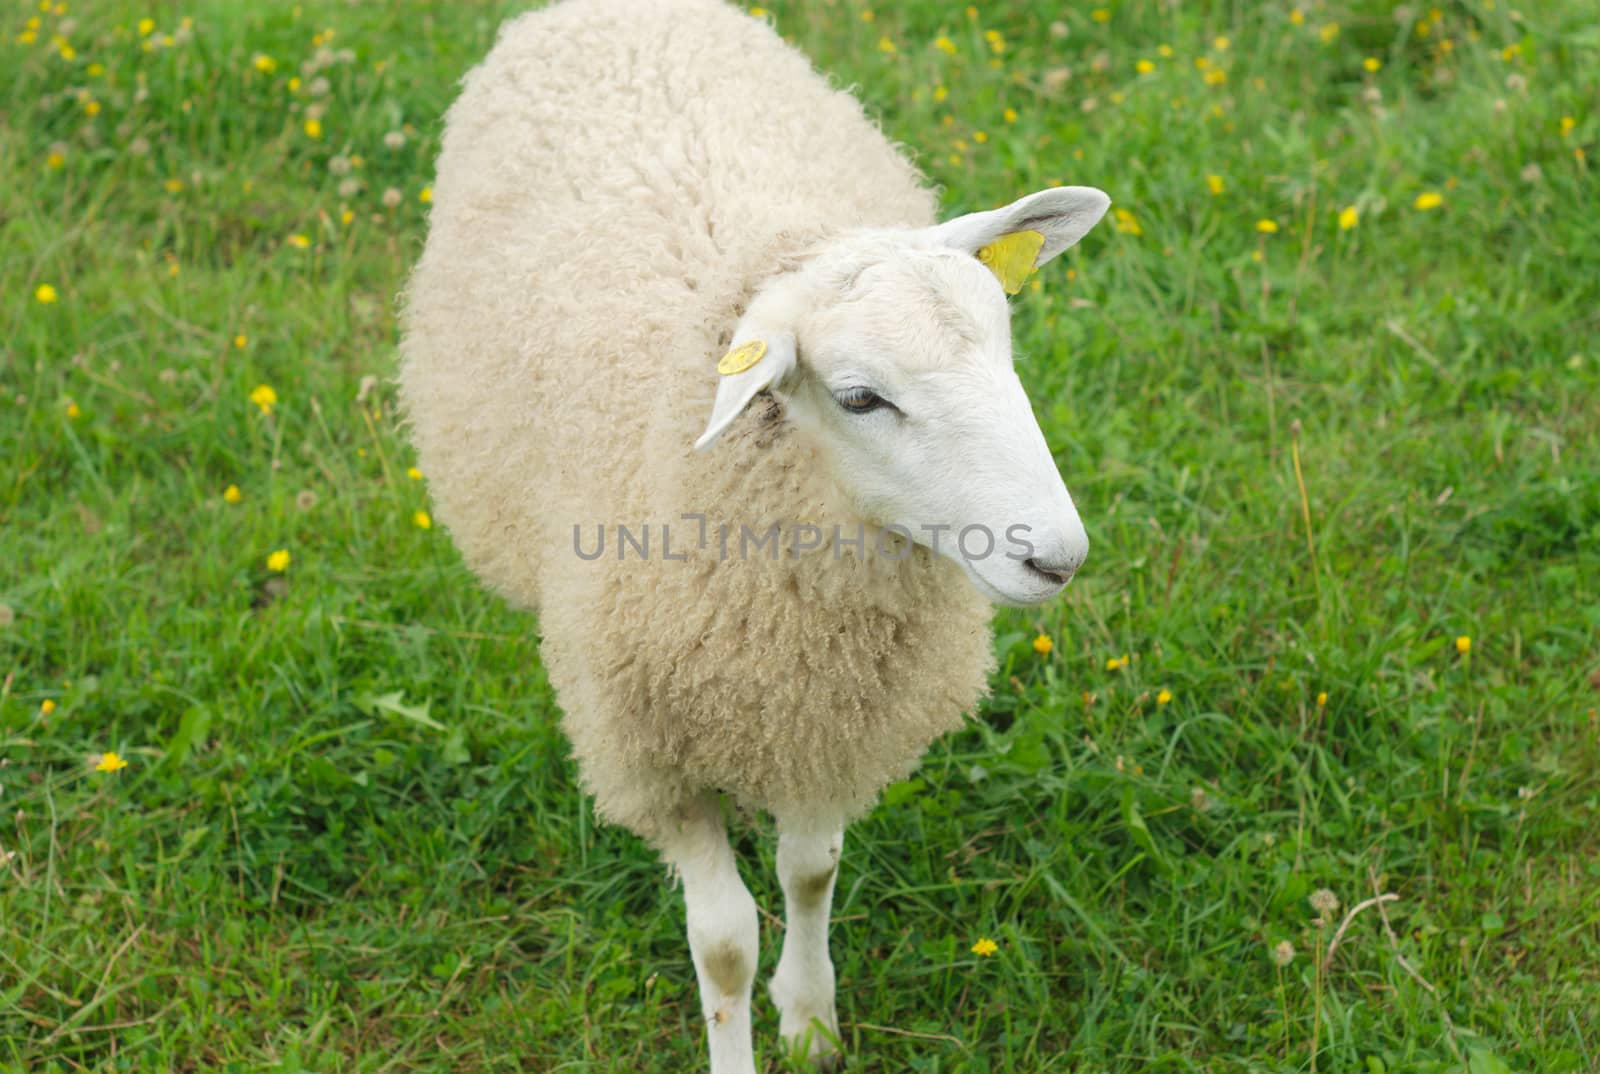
(231, 494)
(1567, 124)
(426, 195)
(299, 242)
(1042, 645)
(1144, 67)
(313, 128)
(1322, 699)
(1464, 645)
(1348, 218)
(278, 561)
(1214, 184)
(413, 473)
(1283, 954)
(1010, 115)
(945, 45)
(1329, 33)
(264, 63)
(985, 947)
(980, 136)
(886, 46)
(241, 341)
(1297, 17)
(55, 160)
(1428, 200)
(147, 27)
(110, 761)
(264, 397)
(1324, 902)
(173, 186)
(45, 294)
(422, 521)
(1221, 43)
(74, 412)
(394, 139)
(91, 108)
(1100, 14)
(46, 707)
(1164, 697)
(1216, 76)
(1126, 222)
(1372, 63)
(391, 198)
(1267, 227)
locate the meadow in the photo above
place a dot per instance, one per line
(282, 788)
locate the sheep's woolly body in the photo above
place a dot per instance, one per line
(616, 179)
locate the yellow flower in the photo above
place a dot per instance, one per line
(1567, 123)
(146, 27)
(264, 63)
(1216, 76)
(868, 15)
(95, 70)
(1042, 645)
(232, 494)
(980, 136)
(44, 294)
(46, 707)
(886, 46)
(413, 473)
(1348, 218)
(985, 947)
(313, 128)
(110, 762)
(1010, 115)
(759, 12)
(1328, 33)
(1164, 697)
(278, 561)
(426, 196)
(1144, 67)
(1463, 645)
(1126, 222)
(1372, 63)
(241, 341)
(1100, 14)
(27, 37)
(1322, 699)
(299, 242)
(264, 397)
(1214, 184)
(1428, 200)
(423, 522)
(1297, 17)
(945, 45)
(74, 412)
(940, 93)
(1164, 51)
(91, 108)
(1221, 43)
(346, 216)
(1267, 227)
(1115, 664)
(67, 51)
(996, 39)
(173, 186)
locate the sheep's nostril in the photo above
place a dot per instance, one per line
(1056, 575)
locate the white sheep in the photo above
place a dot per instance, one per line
(628, 191)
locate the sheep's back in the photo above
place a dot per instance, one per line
(614, 180)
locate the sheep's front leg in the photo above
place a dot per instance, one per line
(802, 987)
(722, 933)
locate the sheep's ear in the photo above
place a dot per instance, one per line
(1020, 237)
(754, 362)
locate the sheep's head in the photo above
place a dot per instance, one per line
(893, 349)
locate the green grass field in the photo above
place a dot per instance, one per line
(1326, 391)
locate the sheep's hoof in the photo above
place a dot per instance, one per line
(816, 1042)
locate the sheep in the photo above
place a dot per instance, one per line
(695, 375)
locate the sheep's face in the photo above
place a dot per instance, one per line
(893, 351)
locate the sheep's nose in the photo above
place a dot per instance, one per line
(1055, 573)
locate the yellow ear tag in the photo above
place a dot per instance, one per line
(1011, 257)
(742, 357)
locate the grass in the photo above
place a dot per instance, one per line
(1310, 459)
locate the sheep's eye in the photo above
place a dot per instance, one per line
(861, 400)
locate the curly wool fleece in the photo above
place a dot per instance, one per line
(617, 178)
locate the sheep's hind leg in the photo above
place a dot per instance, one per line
(803, 985)
(722, 932)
